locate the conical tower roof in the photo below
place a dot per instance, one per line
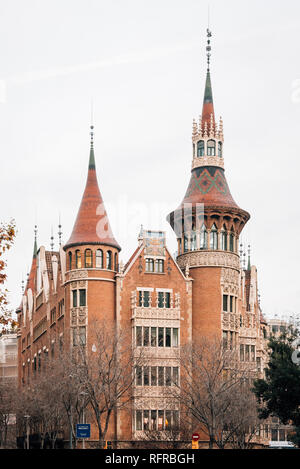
(92, 224)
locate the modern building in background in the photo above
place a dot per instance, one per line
(165, 302)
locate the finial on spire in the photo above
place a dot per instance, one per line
(92, 156)
(249, 262)
(35, 241)
(208, 48)
(52, 239)
(59, 231)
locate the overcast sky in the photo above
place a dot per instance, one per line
(143, 64)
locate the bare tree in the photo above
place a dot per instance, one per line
(105, 373)
(8, 390)
(211, 377)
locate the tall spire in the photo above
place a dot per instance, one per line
(35, 242)
(92, 224)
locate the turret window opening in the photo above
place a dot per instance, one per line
(220, 149)
(203, 238)
(109, 260)
(99, 258)
(88, 261)
(193, 241)
(185, 243)
(224, 240)
(70, 261)
(214, 238)
(211, 148)
(116, 262)
(200, 148)
(231, 242)
(78, 259)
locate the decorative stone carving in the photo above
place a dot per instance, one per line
(207, 161)
(209, 259)
(77, 274)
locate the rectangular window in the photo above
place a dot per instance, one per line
(175, 375)
(153, 336)
(168, 376)
(153, 420)
(274, 434)
(82, 336)
(253, 353)
(146, 419)
(225, 340)
(175, 419)
(161, 381)
(146, 376)
(160, 425)
(160, 336)
(167, 300)
(74, 293)
(82, 297)
(258, 363)
(138, 424)
(225, 303)
(168, 337)
(153, 376)
(168, 420)
(231, 304)
(146, 336)
(75, 341)
(175, 337)
(144, 299)
(138, 332)
(160, 299)
(139, 376)
(242, 356)
(247, 353)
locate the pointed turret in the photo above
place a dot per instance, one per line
(92, 224)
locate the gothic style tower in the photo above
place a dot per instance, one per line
(91, 259)
(208, 224)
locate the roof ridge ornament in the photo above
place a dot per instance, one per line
(208, 48)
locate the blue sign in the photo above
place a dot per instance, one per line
(83, 430)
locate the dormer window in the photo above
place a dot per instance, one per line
(211, 148)
(220, 149)
(200, 148)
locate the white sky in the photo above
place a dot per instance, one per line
(143, 63)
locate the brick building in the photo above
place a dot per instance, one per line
(162, 300)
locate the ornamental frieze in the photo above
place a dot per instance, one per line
(77, 274)
(209, 259)
(207, 161)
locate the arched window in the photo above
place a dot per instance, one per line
(203, 237)
(200, 148)
(220, 149)
(159, 266)
(224, 239)
(78, 259)
(116, 262)
(88, 258)
(213, 239)
(231, 242)
(211, 148)
(185, 243)
(193, 241)
(109, 260)
(70, 261)
(99, 258)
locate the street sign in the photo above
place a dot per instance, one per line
(83, 430)
(195, 436)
